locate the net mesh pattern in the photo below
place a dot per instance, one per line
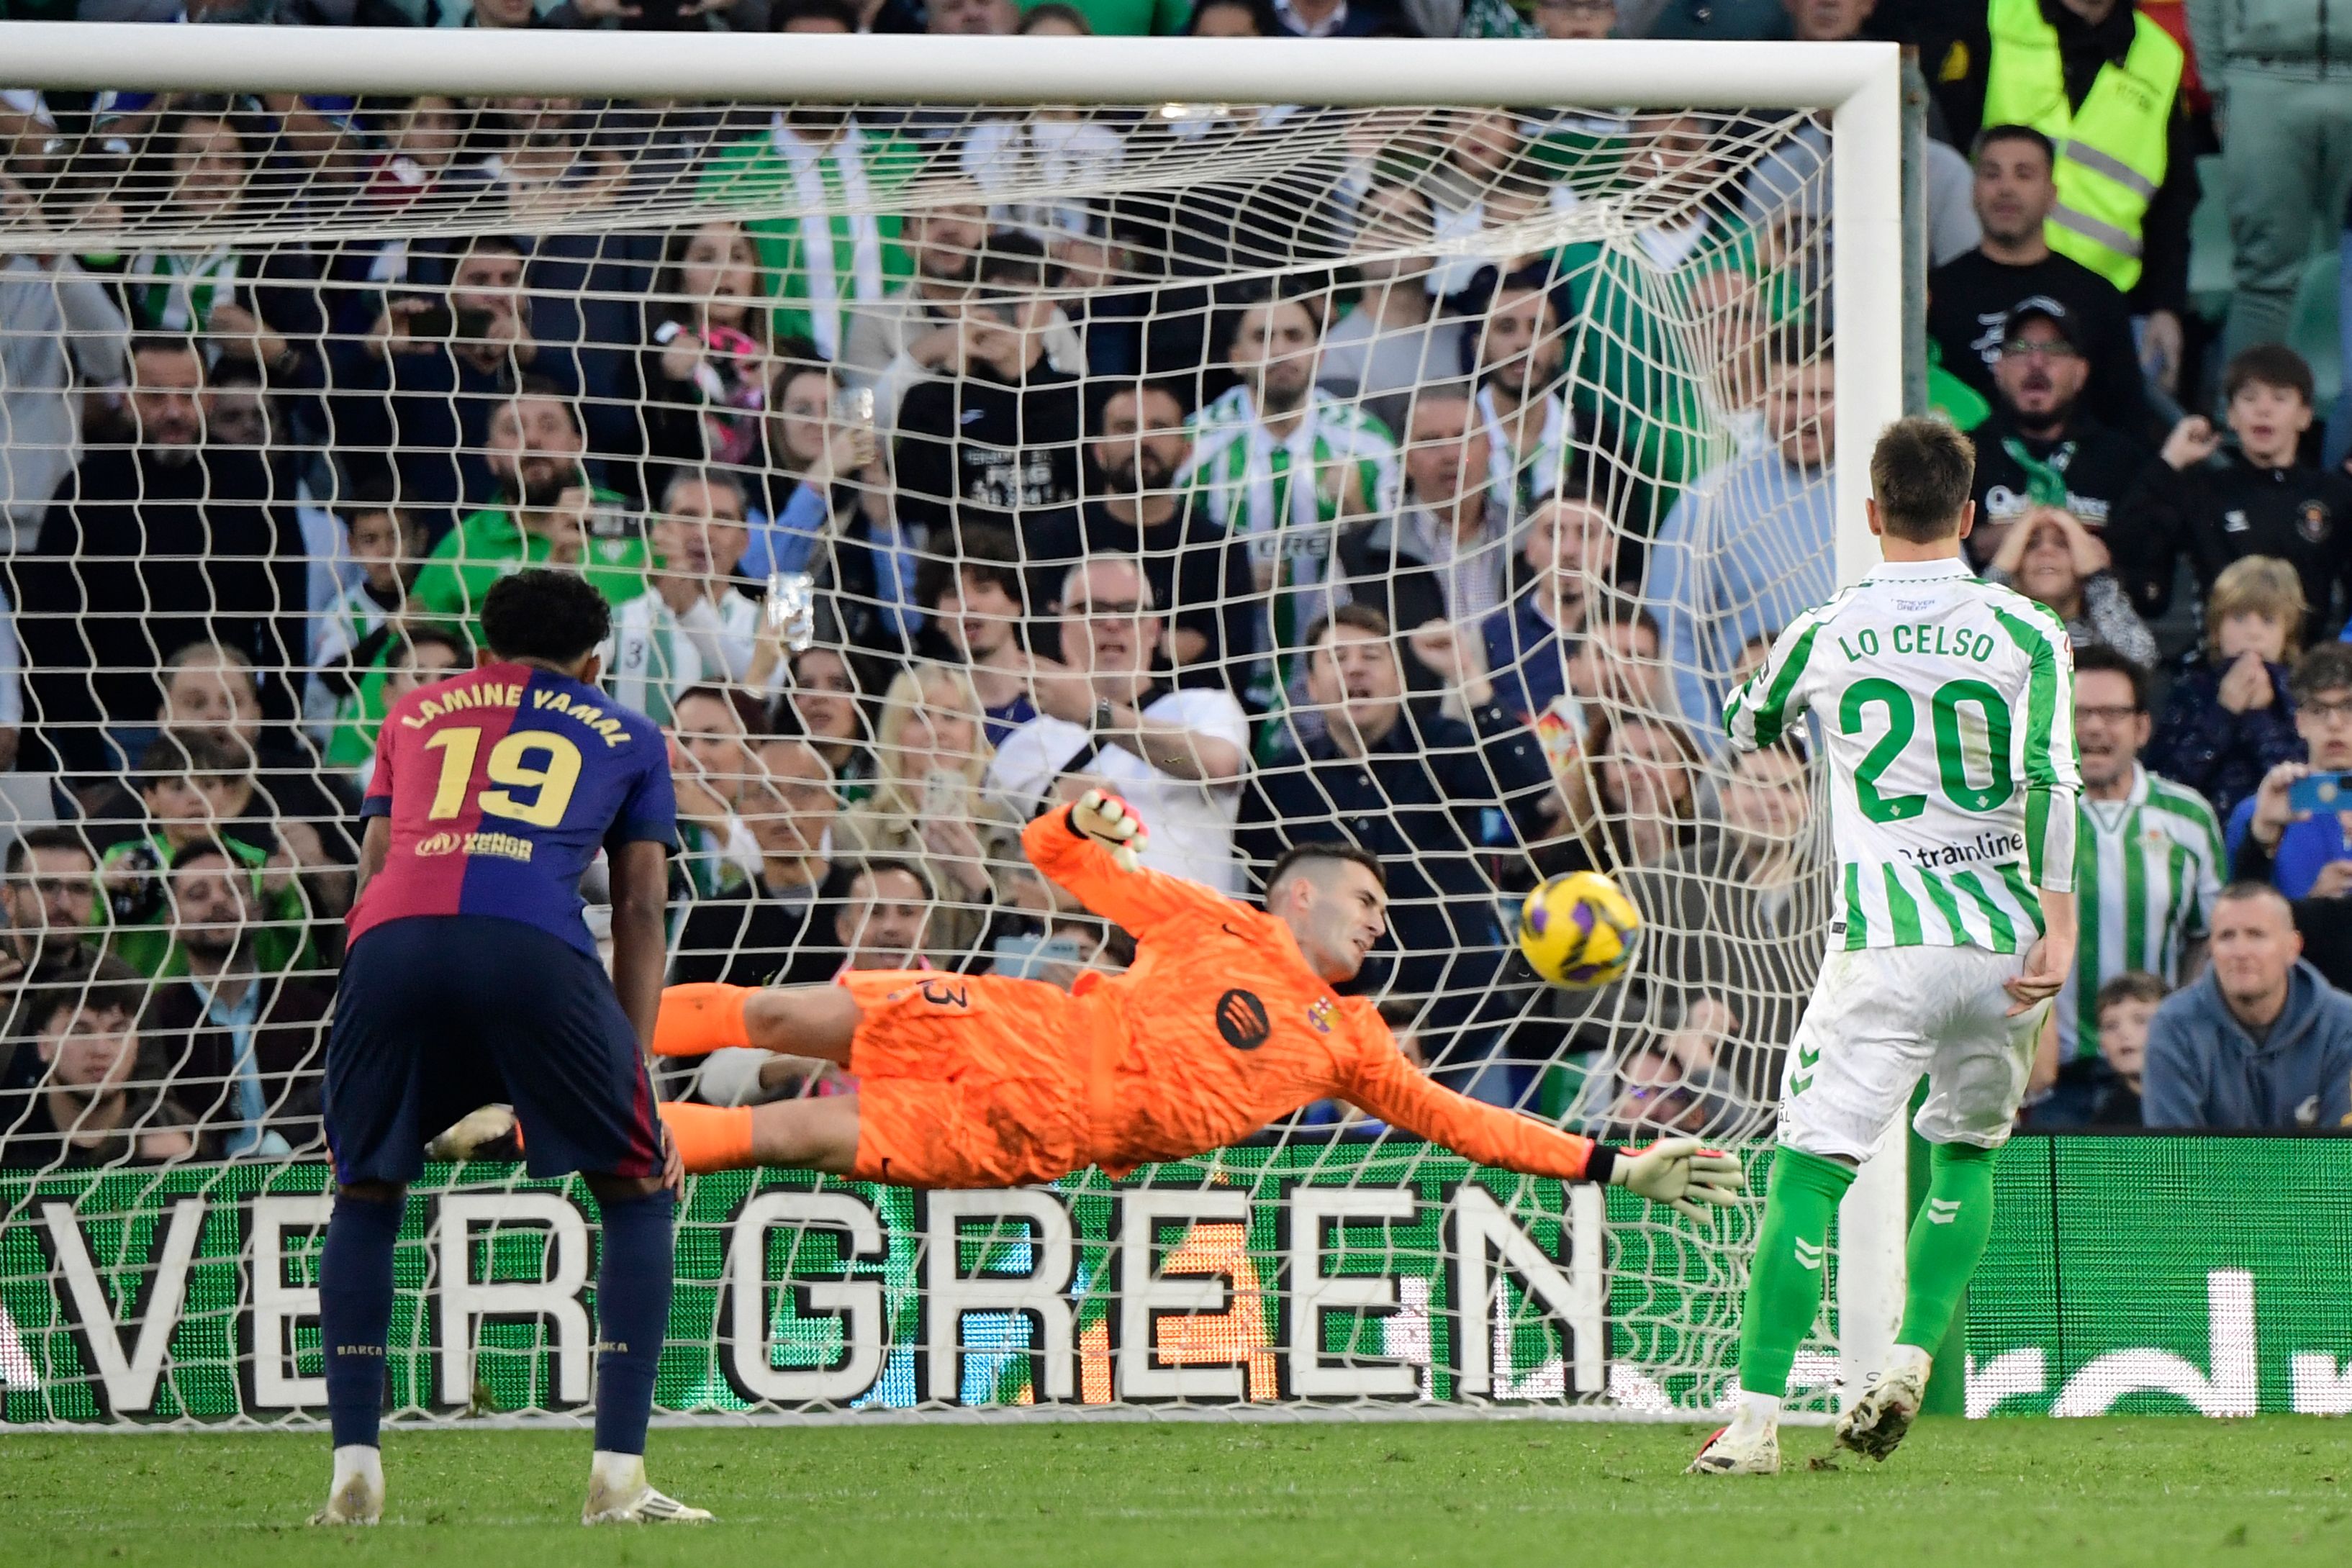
(1421, 476)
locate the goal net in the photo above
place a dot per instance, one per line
(1401, 469)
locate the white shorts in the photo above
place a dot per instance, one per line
(1880, 1017)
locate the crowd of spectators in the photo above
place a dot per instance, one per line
(928, 494)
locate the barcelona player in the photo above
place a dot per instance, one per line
(1227, 1021)
(472, 978)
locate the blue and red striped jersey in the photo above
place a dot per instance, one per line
(501, 784)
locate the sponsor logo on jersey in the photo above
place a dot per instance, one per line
(2310, 520)
(2235, 522)
(498, 846)
(1242, 1020)
(1994, 845)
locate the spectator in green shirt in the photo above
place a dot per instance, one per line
(553, 515)
(192, 786)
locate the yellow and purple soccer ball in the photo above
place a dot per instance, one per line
(1579, 930)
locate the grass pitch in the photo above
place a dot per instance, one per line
(2126, 1491)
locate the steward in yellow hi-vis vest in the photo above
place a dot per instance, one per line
(2111, 151)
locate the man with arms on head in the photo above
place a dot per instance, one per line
(1970, 299)
(1106, 714)
(2259, 1043)
(1280, 462)
(2041, 448)
(1227, 1021)
(472, 979)
(1569, 548)
(1946, 706)
(2148, 865)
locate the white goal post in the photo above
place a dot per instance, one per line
(1856, 86)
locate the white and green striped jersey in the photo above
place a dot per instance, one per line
(1285, 497)
(2146, 870)
(1946, 710)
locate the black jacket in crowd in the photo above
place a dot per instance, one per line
(973, 449)
(1436, 802)
(137, 559)
(2222, 511)
(1969, 298)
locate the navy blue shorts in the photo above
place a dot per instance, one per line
(437, 1014)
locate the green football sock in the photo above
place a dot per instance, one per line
(1946, 1239)
(1784, 1282)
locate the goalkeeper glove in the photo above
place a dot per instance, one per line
(1112, 823)
(1679, 1174)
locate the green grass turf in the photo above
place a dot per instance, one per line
(2126, 1491)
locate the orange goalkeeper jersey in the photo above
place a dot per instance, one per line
(1221, 1027)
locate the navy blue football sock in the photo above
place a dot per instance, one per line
(355, 1314)
(633, 1289)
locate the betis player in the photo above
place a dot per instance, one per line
(1225, 1021)
(1947, 708)
(472, 978)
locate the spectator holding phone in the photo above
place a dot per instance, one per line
(2230, 720)
(2295, 831)
(705, 362)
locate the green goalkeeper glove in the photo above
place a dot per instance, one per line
(1679, 1174)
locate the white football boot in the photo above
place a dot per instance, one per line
(357, 1495)
(1875, 1424)
(1732, 1452)
(618, 1493)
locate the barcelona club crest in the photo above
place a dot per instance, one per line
(1318, 1013)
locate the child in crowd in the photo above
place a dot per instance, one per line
(2126, 1004)
(2229, 720)
(2262, 499)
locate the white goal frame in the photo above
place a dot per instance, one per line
(1859, 85)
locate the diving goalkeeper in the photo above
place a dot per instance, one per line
(1227, 1021)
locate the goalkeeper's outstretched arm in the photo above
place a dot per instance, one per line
(1089, 849)
(1676, 1172)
